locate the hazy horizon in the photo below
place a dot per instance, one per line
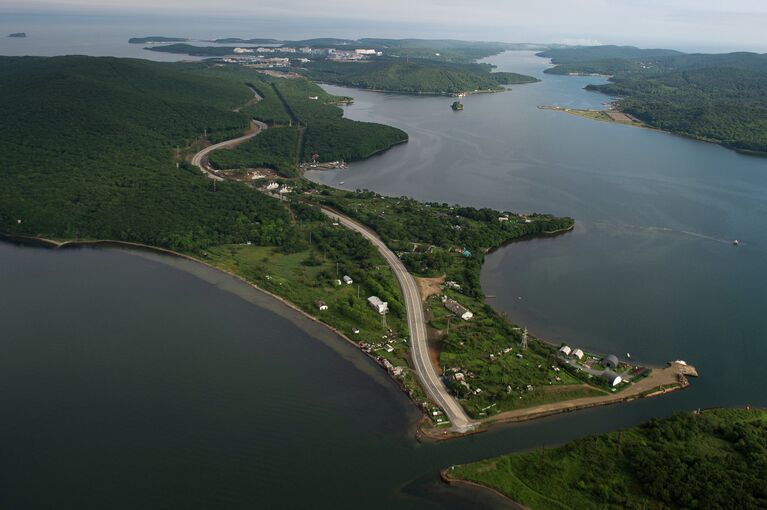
(682, 24)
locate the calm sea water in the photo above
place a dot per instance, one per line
(650, 269)
(135, 380)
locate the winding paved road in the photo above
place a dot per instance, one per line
(199, 158)
(419, 347)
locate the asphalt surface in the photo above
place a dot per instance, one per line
(419, 348)
(199, 158)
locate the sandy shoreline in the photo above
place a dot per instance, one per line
(53, 244)
(457, 482)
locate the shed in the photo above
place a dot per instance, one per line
(458, 309)
(611, 377)
(577, 353)
(565, 350)
(321, 306)
(610, 361)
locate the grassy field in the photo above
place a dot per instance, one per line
(715, 459)
(309, 271)
(302, 279)
(496, 374)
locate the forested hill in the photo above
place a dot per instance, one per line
(96, 148)
(414, 76)
(589, 53)
(715, 97)
(88, 147)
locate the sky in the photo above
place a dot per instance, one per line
(705, 25)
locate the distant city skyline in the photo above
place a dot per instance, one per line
(704, 25)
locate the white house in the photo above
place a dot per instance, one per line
(577, 353)
(379, 306)
(458, 309)
(272, 186)
(321, 306)
(348, 280)
(565, 350)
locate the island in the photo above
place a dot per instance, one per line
(700, 459)
(18, 35)
(237, 40)
(717, 98)
(155, 39)
(206, 161)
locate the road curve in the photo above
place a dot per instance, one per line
(199, 158)
(419, 348)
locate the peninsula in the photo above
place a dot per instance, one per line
(717, 98)
(124, 165)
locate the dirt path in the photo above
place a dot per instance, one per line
(429, 286)
(664, 380)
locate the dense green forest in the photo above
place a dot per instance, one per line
(719, 97)
(715, 459)
(93, 149)
(572, 55)
(322, 129)
(89, 146)
(413, 76)
(327, 133)
(274, 148)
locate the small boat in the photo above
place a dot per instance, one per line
(342, 182)
(736, 242)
